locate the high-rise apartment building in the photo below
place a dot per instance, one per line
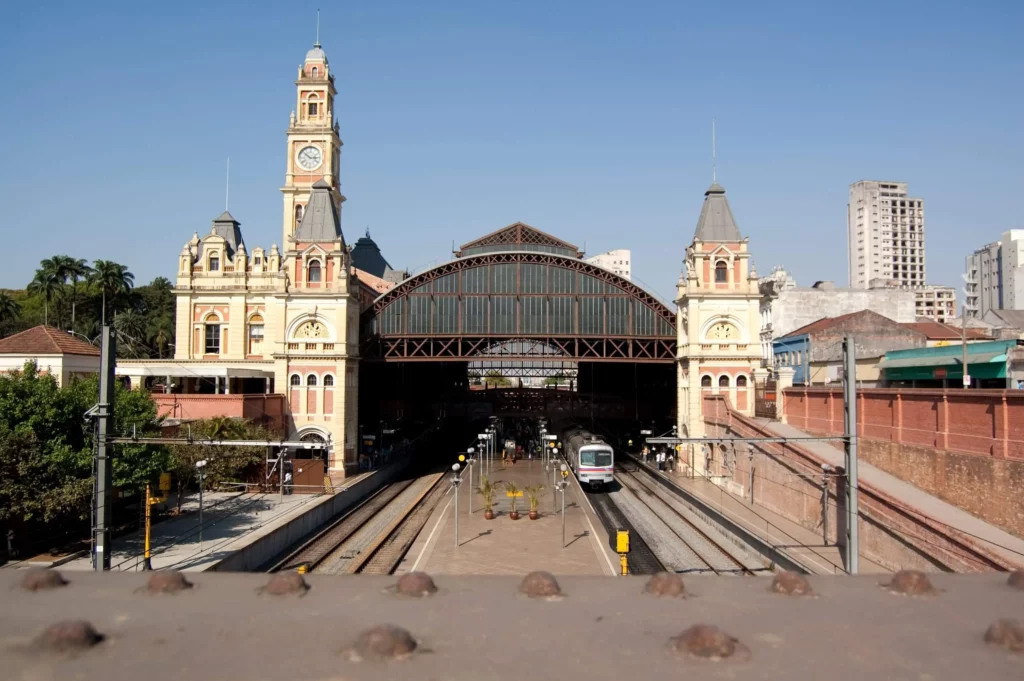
(617, 261)
(885, 232)
(995, 275)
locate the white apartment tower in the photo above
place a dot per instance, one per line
(617, 261)
(885, 229)
(995, 275)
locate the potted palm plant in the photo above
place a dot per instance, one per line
(486, 490)
(513, 492)
(533, 495)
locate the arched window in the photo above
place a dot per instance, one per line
(741, 381)
(723, 381)
(328, 381)
(316, 72)
(721, 272)
(705, 381)
(214, 262)
(311, 380)
(313, 105)
(313, 272)
(298, 214)
(295, 379)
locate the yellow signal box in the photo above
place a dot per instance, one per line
(622, 541)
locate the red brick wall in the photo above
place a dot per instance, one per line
(963, 446)
(268, 409)
(985, 422)
(787, 480)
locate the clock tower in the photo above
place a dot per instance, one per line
(719, 319)
(314, 146)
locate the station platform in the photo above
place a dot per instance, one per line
(231, 522)
(506, 547)
(796, 541)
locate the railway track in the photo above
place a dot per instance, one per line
(698, 542)
(371, 537)
(642, 560)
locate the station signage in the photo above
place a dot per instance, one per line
(551, 437)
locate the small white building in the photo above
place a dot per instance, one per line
(53, 351)
(617, 261)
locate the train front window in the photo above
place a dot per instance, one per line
(596, 457)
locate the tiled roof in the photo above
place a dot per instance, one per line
(372, 281)
(45, 340)
(825, 323)
(940, 331)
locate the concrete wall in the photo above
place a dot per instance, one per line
(272, 545)
(262, 408)
(800, 306)
(964, 446)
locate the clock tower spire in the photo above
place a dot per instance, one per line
(314, 146)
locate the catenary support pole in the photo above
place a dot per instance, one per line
(850, 399)
(105, 423)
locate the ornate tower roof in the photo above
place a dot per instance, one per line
(716, 222)
(320, 220)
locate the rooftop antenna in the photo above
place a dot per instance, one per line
(317, 43)
(714, 156)
(227, 184)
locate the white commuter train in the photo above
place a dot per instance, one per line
(591, 459)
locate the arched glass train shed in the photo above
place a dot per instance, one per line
(518, 283)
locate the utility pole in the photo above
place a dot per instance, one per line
(104, 429)
(963, 341)
(850, 413)
(146, 563)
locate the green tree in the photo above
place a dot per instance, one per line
(114, 282)
(223, 463)
(48, 284)
(496, 380)
(73, 270)
(10, 311)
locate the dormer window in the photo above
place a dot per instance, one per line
(721, 272)
(214, 263)
(257, 260)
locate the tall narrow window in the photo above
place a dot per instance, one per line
(214, 263)
(316, 72)
(256, 335)
(298, 215)
(721, 272)
(313, 106)
(212, 339)
(313, 272)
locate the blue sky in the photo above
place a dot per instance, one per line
(590, 120)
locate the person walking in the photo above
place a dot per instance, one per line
(288, 482)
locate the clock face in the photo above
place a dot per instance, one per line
(722, 331)
(309, 157)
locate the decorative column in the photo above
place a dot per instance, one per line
(784, 381)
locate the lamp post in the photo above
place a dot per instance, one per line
(561, 487)
(200, 465)
(455, 483)
(469, 464)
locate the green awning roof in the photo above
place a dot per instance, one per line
(948, 360)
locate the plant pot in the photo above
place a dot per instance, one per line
(514, 515)
(534, 515)
(488, 514)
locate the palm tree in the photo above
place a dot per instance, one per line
(48, 284)
(130, 327)
(73, 270)
(9, 308)
(113, 280)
